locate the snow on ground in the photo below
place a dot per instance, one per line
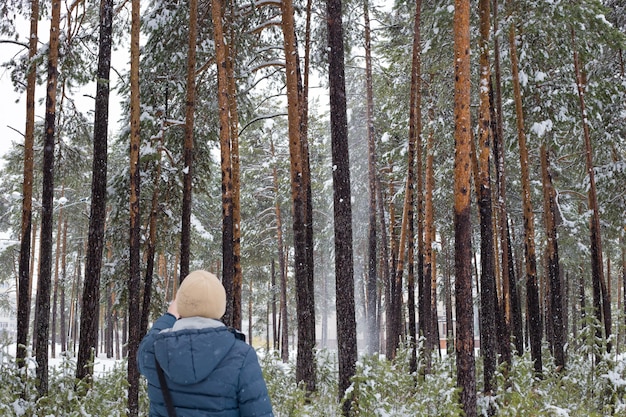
(102, 364)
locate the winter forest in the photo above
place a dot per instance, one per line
(416, 208)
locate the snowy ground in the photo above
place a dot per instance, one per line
(101, 365)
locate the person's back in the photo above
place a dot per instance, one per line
(208, 371)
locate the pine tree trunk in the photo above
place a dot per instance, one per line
(504, 307)
(228, 266)
(532, 290)
(300, 184)
(344, 263)
(308, 302)
(466, 367)
(415, 136)
(282, 267)
(390, 279)
(63, 283)
(97, 218)
(133, 320)
(190, 107)
(47, 207)
(384, 258)
(231, 52)
(372, 250)
(429, 227)
(24, 289)
(552, 249)
(601, 302)
(55, 286)
(488, 294)
(150, 251)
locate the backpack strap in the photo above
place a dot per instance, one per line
(238, 335)
(167, 396)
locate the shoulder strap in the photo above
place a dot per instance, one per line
(171, 412)
(238, 335)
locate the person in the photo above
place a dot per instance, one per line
(207, 370)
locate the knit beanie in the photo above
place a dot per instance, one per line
(201, 294)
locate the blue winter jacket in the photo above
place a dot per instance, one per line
(208, 371)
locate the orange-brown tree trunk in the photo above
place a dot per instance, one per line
(466, 367)
(532, 288)
(234, 150)
(228, 267)
(305, 305)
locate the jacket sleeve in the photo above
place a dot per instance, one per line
(254, 401)
(145, 355)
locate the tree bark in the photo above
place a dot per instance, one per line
(284, 345)
(601, 302)
(134, 314)
(97, 218)
(429, 230)
(415, 137)
(228, 266)
(344, 263)
(150, 251)
(55, 286)
(466, 367)
(372, 251)
(504, 305)
(488, 293)
(47, 207)
(24, 288)
(305, 307)
(532, 290)
(190, 107)
(231, 52)
(63, 318)
(552, 252)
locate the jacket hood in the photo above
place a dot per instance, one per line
(191, 350)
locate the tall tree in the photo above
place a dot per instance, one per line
(45, 248)
(300, 184)
(488, 295)
(532, 287)
(342, 204)
(601, 302)
(424, 297)
(228, 267)
(236, 169)
(95, 244)
(466, 367)
(552, 255)
(372, 267)
(497, 131)
(415, 137)
(24, 288)
(190, 107)
(134, 314)
(282, 264)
